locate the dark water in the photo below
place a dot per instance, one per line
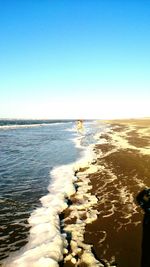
(27, 155)
(18, 122)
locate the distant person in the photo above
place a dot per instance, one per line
(143, 200)
(80, 127)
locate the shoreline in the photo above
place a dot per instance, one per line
(98, 220)
(46, 244)
(119, 173)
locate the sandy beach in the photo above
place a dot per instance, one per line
(103, 221)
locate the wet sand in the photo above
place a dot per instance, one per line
(120, 172)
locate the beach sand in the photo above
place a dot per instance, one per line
(103, 218)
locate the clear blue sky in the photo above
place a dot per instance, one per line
(74, 58)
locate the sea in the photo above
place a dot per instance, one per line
(35, 181)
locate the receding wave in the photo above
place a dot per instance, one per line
(46, 243)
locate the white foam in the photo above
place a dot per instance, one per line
(46, 244)
(87, 258)
(7, 127)
(17, 126)
(45, 240)
(84, 213)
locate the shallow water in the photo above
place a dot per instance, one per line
(28, 157)
(117, 233)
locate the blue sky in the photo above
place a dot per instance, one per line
(74, 58)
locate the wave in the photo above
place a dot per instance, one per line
(18, 126)
(6, 127)
(46, 243)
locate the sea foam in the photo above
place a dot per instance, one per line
(46, 244)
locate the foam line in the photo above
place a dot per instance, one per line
(46, 244)
(17, 126)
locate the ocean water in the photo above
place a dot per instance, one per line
(35, 179)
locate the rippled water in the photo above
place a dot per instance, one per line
(28, 154)
(26, 158)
